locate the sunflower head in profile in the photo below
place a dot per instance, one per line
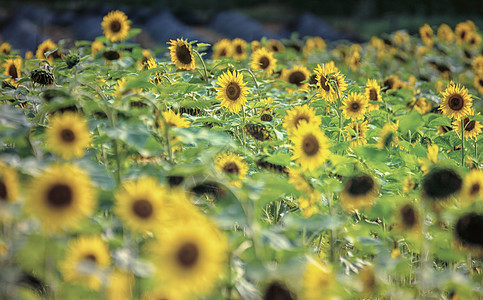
(12, 69)
(173, 119)
(477, 65)
(68, 135)
(354, 106)
(298, 76)
(232, 165)
(388, 136)
(298, 114)
(182, 54)
(445, 33)
(356, 133)
(5, 48)
(96, 46)
(472, 127)
(359, 191)
(115, 26)
(47, 46)
(143, 61)
(478, 83)
(190, 257)
(86, 258)
(373, 93)
(329, 81)
(61, 197)
(9, 186)
(141, 204)
(441, 183)
(426, 33)
(457, 102)
(310, 145)
(275, 46)
(354, 61)
(392, 83)
(468, 230)
(263, 60)
(240, 49)
(232, 91)
(472, 187)
(222, 48)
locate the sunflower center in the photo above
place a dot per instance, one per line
(111, 55)
(463, 34)
(277, 291)
(389, 83)
(223, 52)
(310, 145)
(231, 168)
(456, 102)
(296, 78)
(188, 255)
(475, 188)
(239, 49)
(323, 83)
(183, 53)
(3, 191)
(300, 119)
(480, 82)
(90, 257)
(115, 26)
(12, 71)
(142, 208)
(360, 186)
(372, 95)
(264, 62)
(67, 135)
(59, 196)
(355, 106)
(469, 125)
(233, 91)
(274, 48)
(408, 216)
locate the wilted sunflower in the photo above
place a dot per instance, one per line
(297, 75)
(5, 48)
(110, 55)
(233, 91)
(472, 128)
(478, 82)
(311, 146)
(263, 60)
(222, 48)
(388, 136)
(86, 259)
(231, 164)
(47, 46)
(354, 106)
(297, 114)
(477, 65)
(318, 280)
(441, 183)
(9, 186)
(61, 197)
(141, 204)
(190, 257)
(12, 69)
(115, 26)
(325, 74)
(445, 33)
(173, 119)
(468, 231)
(472, 187)
(359, 191)
(456, 102)
(373, 93)
(240, 51)
(426, 33)
(356, 133)
(68, 135)
(275, 46)
(96, 46)
(182, 54)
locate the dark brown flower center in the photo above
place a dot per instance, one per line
(355, 107)
(408, 216)
(324, 84)
(12, 71)
(90, 257)
(456, 102)
(310, 145)
(475, 188)
(59, 196)
(3, 191)
(296, 78)
(373, 95)
(239, 49)
(264, 62)
(231, 168)
(274, 48)
(480, 82)
(188, 255)
(300, 119)
(115, 26)
(277, 291)
(183, 53)
(233, 91)
(463, 34)
(360, 185)
(142, 208)
(111, 55)
(223, 52)
(469, 125)
(67, 135)
(389, 83)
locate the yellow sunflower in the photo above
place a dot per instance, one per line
(222, 48)
(359, 191)
(61, 197)
(354, 106)
(311, 146)
(13, 69)
(426, 33)
(68, 135)
(318, 281)
(255, 45)
(445, 33)
(462, 30)
(120, 88)
(240, 51)
(29, 55)
(298, 180)
(392, 83)
(477, 65)
(356, 133)
(263, 60)
(478, 82)
(96, 46)
(141, 204)
(474, 40)
(388, 136)
(472, 128)
(308, 205)
(297, 75)
(85, 262)
(5, 48)
(47, 46)
(297, 114)
(9, 186)
(233, 91)
(182, 54)
(143, 62)
(120, 285)
(275, 46)
(401, 37)
(354, 61)
(472, 187)
(373, 93)
(173, 119)
(456, 102)
(231, 164)
(189, 258)
(408, 219)
(421, 105)
(163, 293)
(326, 73)
(115, 26)
(313, 44)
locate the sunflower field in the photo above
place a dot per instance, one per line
(293, 169)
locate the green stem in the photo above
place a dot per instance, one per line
(462, 142)
(243, 125)
(333, 82)
(168, 142)
(203, 63)
(255, 81)
(117, 174)
(331, 232)
(469, 263)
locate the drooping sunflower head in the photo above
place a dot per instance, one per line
(359, 191)
(275, 46)
(472, 128)
(115, 26)
(441, 183)
(240, 49)
(456, 102)
(13, 69)
(354, 106)
(263, 60)
(173, 119)
(182, 54)
(68, 135)
(472, 187)
(222, 48)
(468, 231)
(426, 33)
(388, 136)
(232, 91)
(47, 46)
(61, 197)
(232, 165)
(298, 114)
(356, 133)
(445, 33)
(9, 185)
(297, 75)
(329, 80)
(310, 145)
(86, 257)
(5, 48)
(373, 93)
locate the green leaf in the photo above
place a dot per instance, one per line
(410, 122)
(315, 222)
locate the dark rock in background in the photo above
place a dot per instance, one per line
(310, 25)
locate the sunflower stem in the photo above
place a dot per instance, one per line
(462, 142)
(203, 63)
(243, 125)
(339, 102)
(255, 81)
(168, 142)
(331, 232)
(469, 263)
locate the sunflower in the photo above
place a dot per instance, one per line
(9, 186)
(472, 128)
(478, 82)
(474, 40)
(86, 259)
(392, 83)
(163, 293)
(231, 164)
(472, 186)
(61, 197)
(311, 146)
(120, 88)
(325, 74)
(266, 112)
(275, 46)
(426, 33)
(47, 46)
(420, 105)
(468, 230)
(445, 33)
(143, 62)
(408, 184)
(255, 45)
(173, 119)
(68, 135)
(388, 136)
(298, 180)
(462, 30)
(408, 219)
(120, 285)
(359, 191)
(189, 257)
(356, 133)
(368, 279)
(115, 26)
(5, 48)
(297, 75)
(12, 69)
(313, 44)
(233, 91)
(278, 290)
(373, 93)
(441, 183)
(354, 106)
(96, 46)
(442, 130)
(263, 60)
(140, 204)
(456, 102)
(239, 49)
(297, 114)
(222, 48)
(318, 281)
(308, 205)
(182, 54)
(354, 61)
(477, 65)
(401, 37)
(29, 55)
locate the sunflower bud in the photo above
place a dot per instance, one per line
(43, 77)
(72, 60)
